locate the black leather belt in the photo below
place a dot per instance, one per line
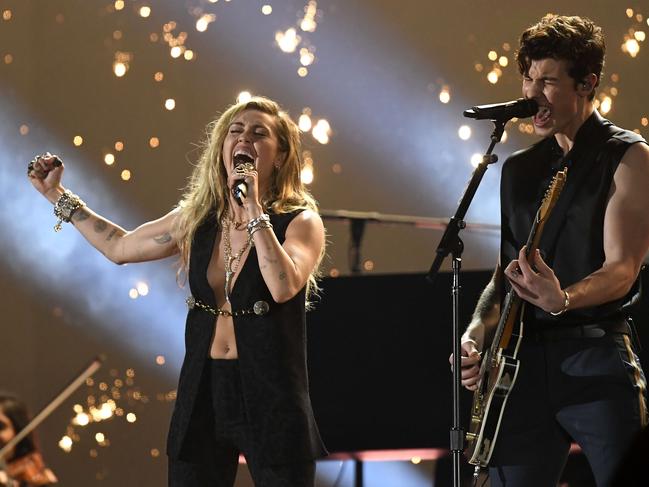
(566, 332)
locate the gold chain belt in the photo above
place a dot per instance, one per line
(260, 308)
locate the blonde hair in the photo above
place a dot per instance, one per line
(207, 190)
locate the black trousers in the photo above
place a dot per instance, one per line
(589, 390)
(229, 433)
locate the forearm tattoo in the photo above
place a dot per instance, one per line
(162, 239)
(100, 226)
(111, 234)
(80, 215)
(282, 276)
(489, 298)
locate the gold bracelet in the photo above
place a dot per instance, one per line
(566, 303)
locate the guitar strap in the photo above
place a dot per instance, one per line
(579, 161)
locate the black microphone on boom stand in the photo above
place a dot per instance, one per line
(451, 244)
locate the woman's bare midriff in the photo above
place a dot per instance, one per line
(224, 344)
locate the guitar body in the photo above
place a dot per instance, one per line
(489, 401)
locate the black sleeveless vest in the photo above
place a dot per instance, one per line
(272, 359)
(572, 243)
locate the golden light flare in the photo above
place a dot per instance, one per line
(119, 4)
(8, 58)
(145, 11)
(302, 72)
(170, 104)
(266, 9)
(639, 35)
(131, 417)
(464, 132)
(503, 61)
(176, 51)
(121, 63)
(117, 35)
(445, 94)
(153, 143)
(493, 55)
(368, 265)
(306, 175)
(304, 122)
(308, 23)
(492, 77)
(321, 131)
(159, 76)
(133, 294)
(244, 97)
(109, 159)
(606, 104)
(415, 460)
(24, 129)
(644, 121)
(287, 40)
(119, 69)
(6, 15)
(119, 146)
(334, 272)
(631, 47)
(155, 453)
(160, 360)
(476, 159)
(142, 288)
(125, 175)
(204, 21)
(337, 168)
(77, 140)
(65, 443)
(306, 57)
(629, 12)
(189, 55)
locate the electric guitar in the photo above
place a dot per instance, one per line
(500, 366)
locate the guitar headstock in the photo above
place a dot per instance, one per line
(552, 193)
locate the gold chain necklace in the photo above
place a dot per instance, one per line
(229, 258)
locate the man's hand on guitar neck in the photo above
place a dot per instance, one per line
(542, 288)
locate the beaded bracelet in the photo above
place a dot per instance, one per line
(65, 207)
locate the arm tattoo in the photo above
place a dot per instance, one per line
(489, 298)
(80, 215)
(100, 226)
(162, 239)
(111, 234)
(282, 276)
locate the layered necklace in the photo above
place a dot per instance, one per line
(231, 261)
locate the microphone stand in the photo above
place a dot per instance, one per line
(451, 243)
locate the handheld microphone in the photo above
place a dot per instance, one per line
(521, 108)
(240, 188)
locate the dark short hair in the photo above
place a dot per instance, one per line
(16, 411)
(574, 39)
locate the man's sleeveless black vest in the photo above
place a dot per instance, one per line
(272, 360)
(573, 240)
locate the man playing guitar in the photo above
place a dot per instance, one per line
(579, 378)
